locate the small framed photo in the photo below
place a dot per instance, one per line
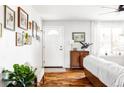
(27, 40)
(34, 29)
(19, 39)
(9, 18)
(29, 25)
(78, 36)
(38, 38)
(22, 19)
(0, 30)
(38, 28)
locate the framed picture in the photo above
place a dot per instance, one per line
(22, 19)
(34, 29)
(38, 38)
(38, 28)
(78, 36)
(27, 40)
(0, 30)
(9, 18)
(29, 25)
(19, 39)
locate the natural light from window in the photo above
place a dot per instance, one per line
(111, 41)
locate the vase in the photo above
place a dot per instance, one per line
(5, 75)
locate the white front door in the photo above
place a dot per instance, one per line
(54, 46)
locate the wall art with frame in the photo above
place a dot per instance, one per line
(34, 29)
(27, 40)
(78, 36)
(22, 19)
(9, 18)
(19, 39)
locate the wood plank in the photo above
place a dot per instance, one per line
(70, 78)
(93, 79)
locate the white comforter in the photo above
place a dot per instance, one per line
(111, 74)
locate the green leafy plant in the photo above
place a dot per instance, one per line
(5, 71)
(22, 76)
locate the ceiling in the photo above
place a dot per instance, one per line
(72, 12)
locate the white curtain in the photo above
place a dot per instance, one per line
(94, 37)
(107, 38)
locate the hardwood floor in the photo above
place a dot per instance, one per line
(70, 78)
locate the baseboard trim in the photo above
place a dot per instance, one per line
(53, 67)
(74, 68)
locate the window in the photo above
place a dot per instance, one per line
(111, 41)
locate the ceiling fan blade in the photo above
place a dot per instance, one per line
(121, 8)
(109, 7)
(108, 12)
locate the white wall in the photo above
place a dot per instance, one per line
(69, 27)
(11, 54)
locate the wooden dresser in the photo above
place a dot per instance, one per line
(76, 58)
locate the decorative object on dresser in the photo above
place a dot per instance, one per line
(76, 58)
(85, 45)
(9, 18)
(22, 19)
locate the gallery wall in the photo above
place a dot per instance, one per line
(69, 27)
(11, 54)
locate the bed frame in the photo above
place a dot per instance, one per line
(93, 79)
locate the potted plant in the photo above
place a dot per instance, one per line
(22, 76)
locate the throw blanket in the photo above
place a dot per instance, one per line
(110, 73)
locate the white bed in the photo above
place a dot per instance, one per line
(110, 73)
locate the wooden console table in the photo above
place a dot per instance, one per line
(76, 58)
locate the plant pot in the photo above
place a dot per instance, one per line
(5, 75)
